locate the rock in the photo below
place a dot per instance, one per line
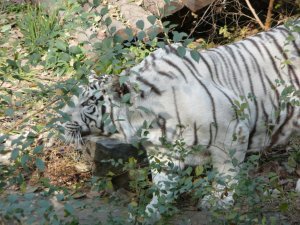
(133, 13)
(100, 151)
(195, 5)
(154, 7)
(119, 29)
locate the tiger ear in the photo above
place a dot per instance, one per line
(92, 77)
(120, 89)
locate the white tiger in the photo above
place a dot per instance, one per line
(197, 101)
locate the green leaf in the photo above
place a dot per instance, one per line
(123, 79)
(61, 45)
(12, 63)
(24, 159)
(69, 210)
(112, 30)
(141, 35)
(181, 51)
(9, 112)
(75, 50)
(104, 11)
(26, 68)
(161, 44)
(140, 24)
(6, 28)
(199, 170)
(144, 109)
(195, 55)
(6, 98)
(40, 164)
(129, 33)
(284, 207)
(15, 154)
(126, 98)
(151, 19)
(177, 37)
(96, 3)
(38, 149)
(108, 21)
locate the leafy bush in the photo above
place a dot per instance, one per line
(34, 105)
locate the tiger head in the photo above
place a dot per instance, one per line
(92, 111)
(89, 112)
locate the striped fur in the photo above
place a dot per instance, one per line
(198, 101)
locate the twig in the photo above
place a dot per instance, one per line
(269, 15)
(200, 20)
(38, 111)
(32, 115)
(255, 15)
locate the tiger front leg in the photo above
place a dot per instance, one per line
(226, 157)
(164, 176)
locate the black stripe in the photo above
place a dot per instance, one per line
(275, 136)
(191, 64)
(258, 66)
(195, 134)
(169, 74)
(87, 115)
(215, 67)
(271, 56)
(176, 67)
(280, 49)
(253, 131)
(83, 118)
(211, 100)
(230, 100)
(277, 95)
(162, 125)
(288, 34)
(210, 136)
(235, 62)
(145, 67)
(208, 66)
(176, 107)
(225, 71)
(103, 111)
(147, 83)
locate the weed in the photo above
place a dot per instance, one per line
(38, 28)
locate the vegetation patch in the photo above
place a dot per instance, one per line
(43, 63)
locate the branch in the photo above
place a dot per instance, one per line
(269, 15)
(38, 111)
(255, 15)
(31, 115)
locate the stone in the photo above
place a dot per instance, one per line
(195, 5)
(100, 150)
(160, 7)
(132, 13)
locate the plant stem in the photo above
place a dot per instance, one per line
(269, 15)
(255, 15)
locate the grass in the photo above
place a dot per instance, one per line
(31, 92)
(39, 28)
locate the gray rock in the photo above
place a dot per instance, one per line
(154, 7)
(133, 13)
(196, 5)
(101, 150)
